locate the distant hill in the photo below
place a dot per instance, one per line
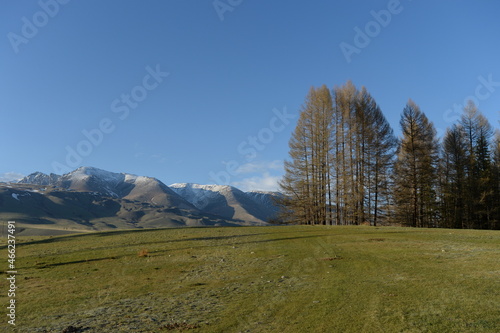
(267, 201)
(89, 199)
(116, 185)
(229, 202)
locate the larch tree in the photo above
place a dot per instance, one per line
(478, 182)
(342, 168)
(370, 142)
(376, 146)
(415, 169)
(453, 194)
(341, 155)
(343, 158)
(495, 223)
(306, 183)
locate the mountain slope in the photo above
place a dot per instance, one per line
(226, 201)
(50, 210)
(40, 178)
(89, 199)
(117, 185)
(267, 201)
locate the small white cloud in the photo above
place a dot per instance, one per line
(10, 177)
(265, 182)
(259, 167)
(159, 158)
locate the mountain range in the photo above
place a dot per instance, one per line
(90, 199)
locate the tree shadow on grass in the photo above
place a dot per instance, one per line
(283, 239)
(44, 265)
(128, 231)
(160, 252)
(54, 239)
(143, 244)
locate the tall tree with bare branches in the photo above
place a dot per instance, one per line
(306, 183)
(453, 192)
(340, 156)
(415, 169)
(479, 200)
(495, 222)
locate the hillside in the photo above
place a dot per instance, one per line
(51, 210)
(251, 279)
(228, 201)
(91, 199)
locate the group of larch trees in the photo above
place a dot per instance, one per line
(347, 167)
(470, 173)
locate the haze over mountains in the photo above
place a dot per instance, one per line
(88, 199)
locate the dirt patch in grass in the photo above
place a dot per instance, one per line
(180, 326)
(331, 258)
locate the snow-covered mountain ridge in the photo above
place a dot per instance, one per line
(131, 192)
(228, 201)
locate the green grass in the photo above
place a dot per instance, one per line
(261, 279)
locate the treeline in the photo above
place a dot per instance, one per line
(347, 167)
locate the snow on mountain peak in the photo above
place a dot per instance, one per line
(107, 176)
(224, 201)
(213, 188)
(200, 195)
(39, 178)
(227, 201)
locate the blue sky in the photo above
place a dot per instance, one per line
(208, 91)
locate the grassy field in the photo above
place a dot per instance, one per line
(259, 279)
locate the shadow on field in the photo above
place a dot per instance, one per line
(208, 238)
(239, 240)
(217, 237)
(53, 239)
(197, 247)
(41, 266)
(283, 239)
(155, 253)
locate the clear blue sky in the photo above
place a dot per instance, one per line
(236, 73)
